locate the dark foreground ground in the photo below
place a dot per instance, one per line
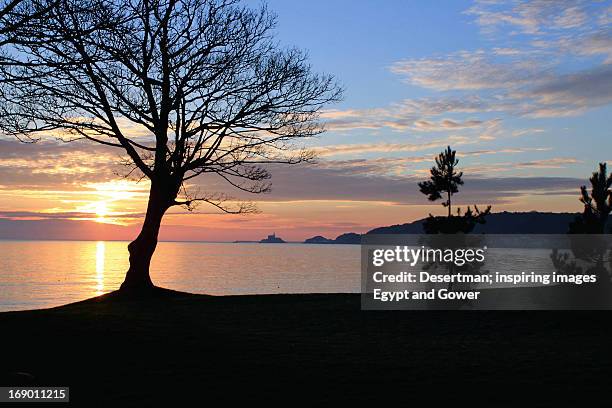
(298, 348)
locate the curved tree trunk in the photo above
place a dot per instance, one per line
(142, 248)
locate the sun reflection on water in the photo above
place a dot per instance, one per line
(100, 253)
(61, 272)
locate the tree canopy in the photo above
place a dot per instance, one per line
(597, 204)
(203, 80)
(444, 182)
(444, 179)
(182, 87)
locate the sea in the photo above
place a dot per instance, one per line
(42, 274)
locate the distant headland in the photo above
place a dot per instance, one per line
(348, 238)
(497, 223)
(532, 222)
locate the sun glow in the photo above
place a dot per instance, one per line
(117, 190)
(101, 210)
(107, 202)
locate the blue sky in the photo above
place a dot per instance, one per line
(365, 43)
(359, 40)
(521, 89)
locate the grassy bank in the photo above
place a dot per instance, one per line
(304, 347)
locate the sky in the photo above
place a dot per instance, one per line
(521, 89)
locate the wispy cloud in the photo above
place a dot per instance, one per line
(420, 164)
(570, 94)
(388, 180)
(526, 78)
(507, 167)
(447, 124)
(530, 16)
(385, 147)
(525, 88)
(471, 70)
(425, 114)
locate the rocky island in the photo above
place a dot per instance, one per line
(272, 239)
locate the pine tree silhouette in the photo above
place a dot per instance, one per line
(597, 204)
(444, 178)
(444, 182)
(591, 255)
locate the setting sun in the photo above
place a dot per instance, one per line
(106, 202)
(101, 211)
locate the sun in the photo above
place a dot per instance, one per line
(101, 211)
(102, 201)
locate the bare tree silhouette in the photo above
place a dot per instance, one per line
(16, 14)
(204, 78)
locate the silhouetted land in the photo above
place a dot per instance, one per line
(532, 222)
(348, 238)
(294, 348)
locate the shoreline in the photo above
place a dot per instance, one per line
(101, 299)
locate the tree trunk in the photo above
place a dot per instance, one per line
(142, 248)
(449, 203)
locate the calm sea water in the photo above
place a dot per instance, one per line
(36, 274)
